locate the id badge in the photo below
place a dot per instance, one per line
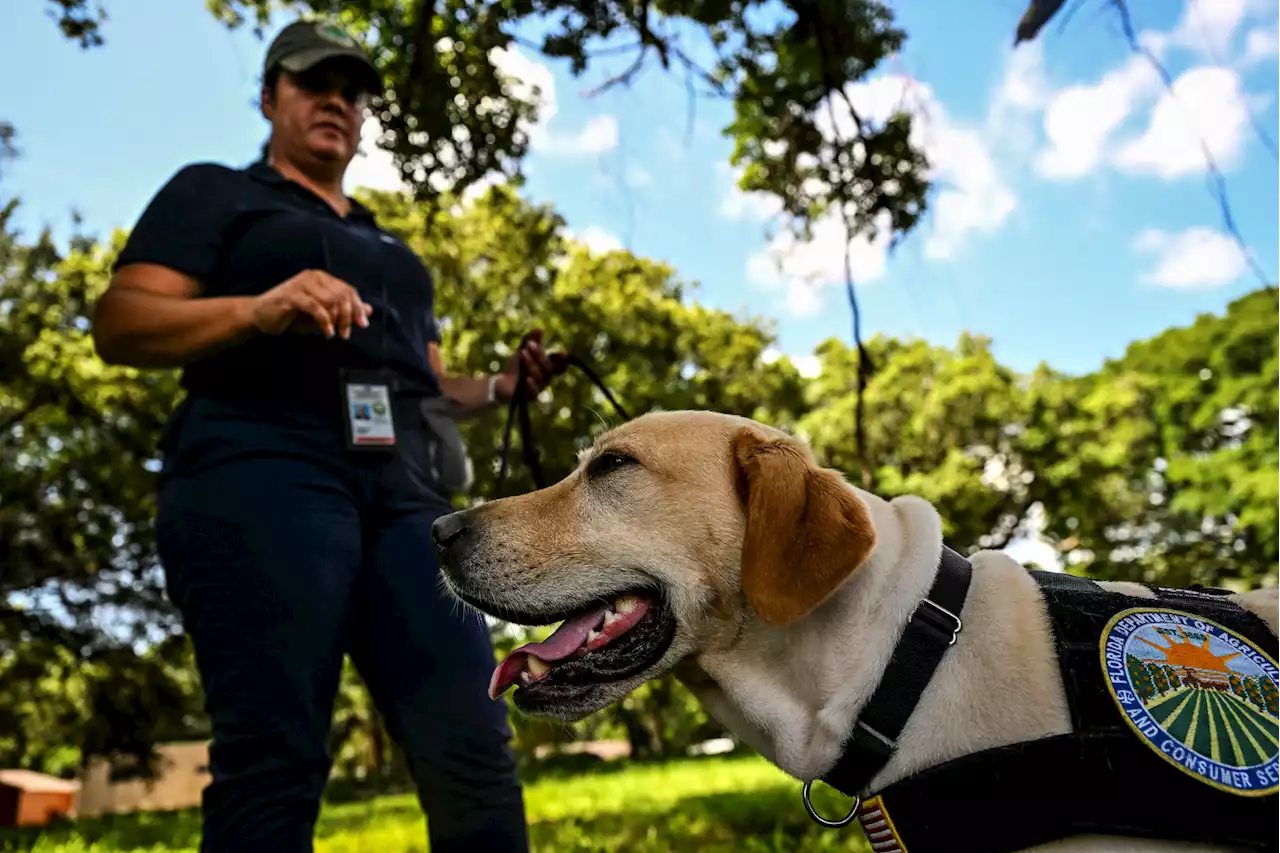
(369, 417)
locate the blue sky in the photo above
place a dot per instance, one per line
(1072, 213)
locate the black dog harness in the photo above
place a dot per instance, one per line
(1174, 729)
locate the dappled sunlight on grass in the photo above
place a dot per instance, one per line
(717, 805)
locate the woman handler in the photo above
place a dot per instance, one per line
(299, 488)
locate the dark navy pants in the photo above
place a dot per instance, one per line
(282, 553)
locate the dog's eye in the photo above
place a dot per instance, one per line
(606, 462)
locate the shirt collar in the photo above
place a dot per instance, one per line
(268, 174)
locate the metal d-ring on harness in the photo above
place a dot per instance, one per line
(934, 627)
(833, 824)
(518, 411)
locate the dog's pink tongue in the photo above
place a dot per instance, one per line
(566, 640)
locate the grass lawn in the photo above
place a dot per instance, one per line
(716, 805)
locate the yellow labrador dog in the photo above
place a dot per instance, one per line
(715, 548)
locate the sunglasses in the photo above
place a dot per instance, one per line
(332, 77)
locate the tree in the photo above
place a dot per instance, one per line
(943, 423)
(1253, 692)
(7, 149)
(451, 118)
(1267, 688)
(1162, 466)
(1140, 677)
(78, 21)
(1159, 678)
(502, 264)
(80, 586)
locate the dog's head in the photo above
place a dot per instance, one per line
(675, 530)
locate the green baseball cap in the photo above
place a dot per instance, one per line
(305, 44)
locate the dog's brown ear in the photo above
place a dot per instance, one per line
(806, 530)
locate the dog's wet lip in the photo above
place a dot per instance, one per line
(523, 618)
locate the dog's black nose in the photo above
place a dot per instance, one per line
(448, 529)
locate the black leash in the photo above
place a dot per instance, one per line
(518, 412)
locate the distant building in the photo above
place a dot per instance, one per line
(181, 774)
(28, 798)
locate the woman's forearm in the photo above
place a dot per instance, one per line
(139, 328)
(470, 396)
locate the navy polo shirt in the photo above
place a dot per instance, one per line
(241, 232)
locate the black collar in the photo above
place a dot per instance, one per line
(933, 629)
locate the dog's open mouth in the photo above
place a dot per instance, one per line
(603, 643)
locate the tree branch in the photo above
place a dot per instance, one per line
(423, 48)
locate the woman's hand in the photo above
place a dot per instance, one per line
(539, 366)
(309, 301)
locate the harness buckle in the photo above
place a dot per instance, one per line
(957, 625)
(833, 824)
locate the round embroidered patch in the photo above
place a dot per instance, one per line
(1200, 695)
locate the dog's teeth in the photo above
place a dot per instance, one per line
(537, 666)
(626, 604)
(610, 617)
(525, 678)
(592, 636)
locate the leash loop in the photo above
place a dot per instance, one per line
(518, 414)
(834, 824)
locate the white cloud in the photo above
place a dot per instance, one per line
(1021, 96)
(1084, 123)
(598, 135)
(372, 167)
(1206, 105)
(1197, 257)
(972, 196)
(528, 80)
(595, 238)
(808, 366)
(801, 270)
(1081, 119)
(1261, 44)
(1208, 28)
(737, 204)
(1214, 23)
(1024, 84)
(533, 81)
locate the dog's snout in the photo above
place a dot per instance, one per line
(448, 529)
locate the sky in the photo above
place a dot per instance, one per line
(1071, 213)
